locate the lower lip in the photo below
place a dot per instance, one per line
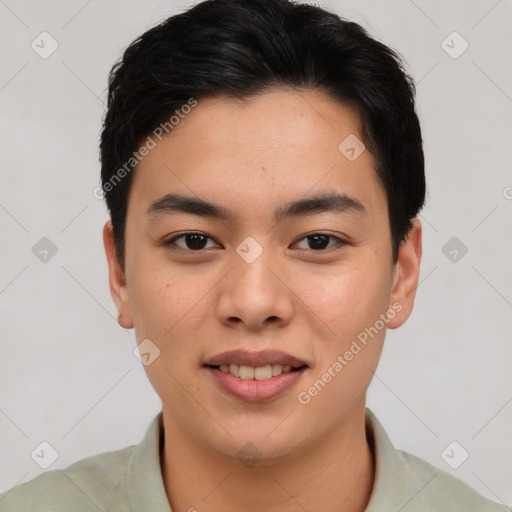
(255, 390)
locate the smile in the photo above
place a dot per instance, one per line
(257, 373)
(256, 384)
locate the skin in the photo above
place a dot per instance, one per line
(253, 156)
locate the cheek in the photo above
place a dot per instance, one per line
(346, 300)
(166, 310)
(166, 304)
(351, 306)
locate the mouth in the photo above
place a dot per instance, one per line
(260, 365)
(265, 372)
(255, 376)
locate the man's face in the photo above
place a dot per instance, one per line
(254, 282)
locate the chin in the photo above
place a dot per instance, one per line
(262, 445)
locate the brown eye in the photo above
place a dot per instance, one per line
(189, 241)
(320, 241)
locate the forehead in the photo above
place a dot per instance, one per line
(271, 147)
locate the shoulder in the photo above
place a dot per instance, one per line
(93, 483)
(405, 481)
(438, 490)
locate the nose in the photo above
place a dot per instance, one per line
(255, 294)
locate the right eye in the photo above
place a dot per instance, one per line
(191, 242)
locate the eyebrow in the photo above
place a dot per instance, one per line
(320, 203)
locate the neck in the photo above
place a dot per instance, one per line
(334, 474)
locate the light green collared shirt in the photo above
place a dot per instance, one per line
(130, 480)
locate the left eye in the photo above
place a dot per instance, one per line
(320, 241)
(198, 241)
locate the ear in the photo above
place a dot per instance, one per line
(406, 275)
(116, 279)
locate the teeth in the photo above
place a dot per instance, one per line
(246, 372)
(277, 369)
(263, 372)
(259, 373)
(234, 369)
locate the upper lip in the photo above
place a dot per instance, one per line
(255, 359)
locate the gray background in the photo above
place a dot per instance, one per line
(67, 372)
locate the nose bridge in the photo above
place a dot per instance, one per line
(252, 275)
(252, 292)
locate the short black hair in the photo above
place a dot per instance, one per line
(241, 48)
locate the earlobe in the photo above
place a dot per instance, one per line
(406, 275)
(117, 282)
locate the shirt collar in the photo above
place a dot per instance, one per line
(144, 481)
(393, 485)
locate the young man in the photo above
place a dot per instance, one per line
(262, 164)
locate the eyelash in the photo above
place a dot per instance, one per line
(169, 243)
